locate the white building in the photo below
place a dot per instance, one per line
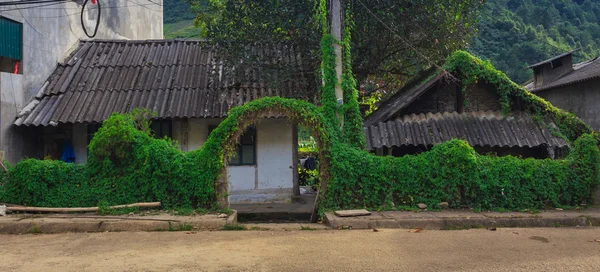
(38, 36)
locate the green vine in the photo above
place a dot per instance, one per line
(471, 70)
(353, 121)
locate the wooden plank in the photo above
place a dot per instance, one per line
(351, 213)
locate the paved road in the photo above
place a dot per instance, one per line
(556, 249)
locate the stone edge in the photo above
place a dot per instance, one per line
(459, 223)
(39, 226)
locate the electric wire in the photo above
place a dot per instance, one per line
(38, 32)
(31, 2)
(97, 19)
(410, 45)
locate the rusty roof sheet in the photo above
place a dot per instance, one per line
(175, 78)
(485, 129)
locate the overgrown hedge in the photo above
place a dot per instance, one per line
(453, 172)
(125, 165)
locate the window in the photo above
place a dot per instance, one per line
(11, 45)
(91, 130)
(245, 153)
(161, 128)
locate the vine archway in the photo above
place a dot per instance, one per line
(223, 139)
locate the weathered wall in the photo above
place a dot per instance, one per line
(439, 99)
(545, 74)
(50, 32)
(582, 99)
(478, 97)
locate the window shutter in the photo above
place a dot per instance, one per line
(11, 39)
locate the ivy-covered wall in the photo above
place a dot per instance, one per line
(127, 165)
(453, 172)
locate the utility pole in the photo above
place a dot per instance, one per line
(336, 31)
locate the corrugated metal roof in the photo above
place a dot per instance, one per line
(485, 129)
(581, 72)
(175, 78)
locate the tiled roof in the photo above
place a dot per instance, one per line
(175, 78)
(485, 129)
(581, 72)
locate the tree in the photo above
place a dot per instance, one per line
(387, 35)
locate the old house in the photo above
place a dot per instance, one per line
(191, 87)
(571, 87)
(436, 109)
(35, 37)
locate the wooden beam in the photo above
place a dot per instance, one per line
(88, 209)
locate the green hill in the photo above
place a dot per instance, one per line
(512, 33)
(516, 33)
(179, 20)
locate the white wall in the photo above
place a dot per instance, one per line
(11, 102)
(271, 179)
(51, 32)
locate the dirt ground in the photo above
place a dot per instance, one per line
(555, 249)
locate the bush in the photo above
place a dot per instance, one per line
(453, 172)
(125, 165)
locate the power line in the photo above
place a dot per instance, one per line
(412, 47)
(70, 14)
(144, 6)
(34, 29)
(30, 2)
(38, 7)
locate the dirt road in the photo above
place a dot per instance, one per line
(559, 249)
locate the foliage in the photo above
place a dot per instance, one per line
(234, 227)
(48, 183)
(176, 11)
(353, 121)
(517, 33)
(126, 165)
(308, 178)
(471, 70)
(436, 27)
(453, 172)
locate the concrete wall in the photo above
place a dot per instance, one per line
(271, 179)
(545, 74)
(51, 32)
(582, 99)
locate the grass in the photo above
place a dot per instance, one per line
(234, 227)
(306, 228)
(35, 229)
(184, 227)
